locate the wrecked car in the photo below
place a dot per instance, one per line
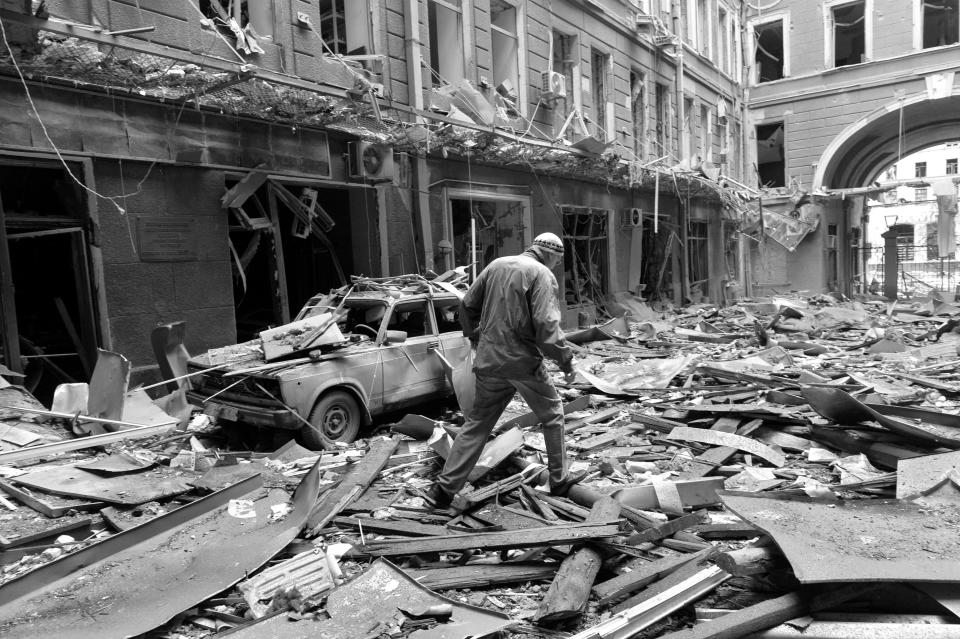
(381, 356)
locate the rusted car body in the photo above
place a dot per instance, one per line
(387, 361)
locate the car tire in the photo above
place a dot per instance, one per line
(334, 419)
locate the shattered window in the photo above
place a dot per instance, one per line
(940, 24)
(247, 21)
(563, 59)
(599, 63)
(585, 264)
(638, 112)
(768, 55)
(849, 34)
(446, 41)
(770, 157)
(505, 49)
(698, 264)
(411, 318)
(447, 314)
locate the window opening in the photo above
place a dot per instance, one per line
(933, 250)
(920, 195)
(411, 318)
(706, 133)
(951, 166)
(344, 26)
(905, 246)
(703, 28)
(723, 46)
(563, 61)
(849, 34)
(598, 66)
(447, 314)
(689, 129)
(585, 261)
(446, 41)
(505, 49)
(770, 157)
(940, 23)
(698, 264)
(662, 106)
(638, 112)
(768, 55)
(920, 169)
(499, 229)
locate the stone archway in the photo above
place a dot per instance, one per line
(856, 156)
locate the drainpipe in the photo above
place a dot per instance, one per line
(684, 143)
(415, 91)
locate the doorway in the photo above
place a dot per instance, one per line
(482, 227)
(46, 293)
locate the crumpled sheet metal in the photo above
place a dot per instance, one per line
(856, 541)
(372, 603)
(634, 377)
(139, 579)
(843, 408)
(616, 328)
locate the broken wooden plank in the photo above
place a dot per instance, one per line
(553, 535)
(716, 438)
(657, 423)
(668, 528)
(615, 589)
(479, 575)
(751, 560)
(570, 589)
(725, 531)
(354, 482)
(389, 527)
(52, 506)
(42, 450)
(597, 442)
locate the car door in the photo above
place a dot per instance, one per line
(454, 346)
(411, 372)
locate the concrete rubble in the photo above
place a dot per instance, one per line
(781, 467)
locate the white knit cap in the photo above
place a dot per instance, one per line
(549, 242)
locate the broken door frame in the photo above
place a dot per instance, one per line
(488, 193)
(90, 223)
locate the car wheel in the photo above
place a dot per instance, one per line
(334, 419)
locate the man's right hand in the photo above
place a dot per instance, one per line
(570, 376)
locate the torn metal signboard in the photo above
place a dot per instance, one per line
(855, 541)
(140, 578)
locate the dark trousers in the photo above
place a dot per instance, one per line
(493, 395)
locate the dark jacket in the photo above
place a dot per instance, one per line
(512, 314)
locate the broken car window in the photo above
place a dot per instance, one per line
(411, 318)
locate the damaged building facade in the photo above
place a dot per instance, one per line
(837, 94)
(221, 162)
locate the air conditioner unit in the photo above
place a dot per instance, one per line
(553, 85)
(632, 218)
(369, 162)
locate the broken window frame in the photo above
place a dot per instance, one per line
(346, 13)
(688, 135)
(830, 26)
(519, 56)
(638, 112)
(600, 75)
(503, 193)
(706, 132)
(755, 27)
(698, 253)
(662, 120)
(771, 126)
(586, 254)
(933, 10)
(447, 67)
(565, 60)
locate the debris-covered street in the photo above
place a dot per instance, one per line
(758, 466)
(469, 319)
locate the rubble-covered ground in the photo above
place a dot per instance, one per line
(785, 466)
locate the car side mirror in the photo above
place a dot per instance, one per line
(395, 337)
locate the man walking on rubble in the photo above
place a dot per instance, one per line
(511, 315)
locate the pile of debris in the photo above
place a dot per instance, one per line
(787, 468)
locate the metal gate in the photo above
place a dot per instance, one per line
(915, 274)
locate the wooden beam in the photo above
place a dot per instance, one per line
(570, 590)
(553, 535)
(384, 527)
(479, 575)
(353, 483)
(615, 589)
(668, 528)
(750, 561)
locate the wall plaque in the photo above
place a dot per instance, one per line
(167, 239)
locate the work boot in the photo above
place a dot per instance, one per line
(440, 498)
(561, 489)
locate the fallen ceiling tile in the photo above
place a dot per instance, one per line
(855, 541)
(138, 579)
